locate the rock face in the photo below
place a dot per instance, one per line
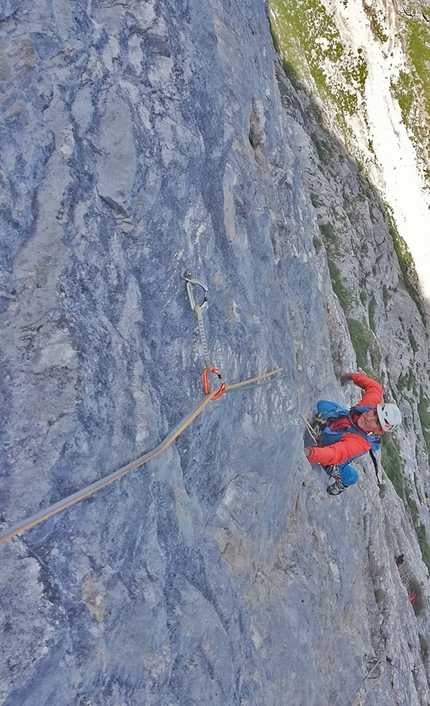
(366, 61)
(139, 139)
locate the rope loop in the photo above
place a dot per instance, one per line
(103, 482)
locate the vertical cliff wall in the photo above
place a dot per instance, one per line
(138, 139)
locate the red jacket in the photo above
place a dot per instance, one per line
(351, 445)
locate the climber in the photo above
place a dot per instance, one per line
(399, 559)
(347, 434)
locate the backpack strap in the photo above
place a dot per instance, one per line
(375, 464)
(372, 438)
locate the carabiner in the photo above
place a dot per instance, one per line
(206, 386)
(219, 392)
(187, 276)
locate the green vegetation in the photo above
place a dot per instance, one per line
(342, 293)
(394, 467)
(323, 148)
(333, 247)
(406, 263)
(418, 491)
(412, 341)
(404, 91)
(364, 344)
(372, 309)
(413, 508)
(393, 463)
(419, 603)
(307, 36)
(274, 38)
(407, 382)
(412, 89)
(424, 414)
(424, 647)
(419, 528)
(424, 545)
(331, 240)
(375, 24)
(419, 51)
(403, 253)
(360, 340)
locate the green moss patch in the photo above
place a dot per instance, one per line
(424, 414)
(407, 382)
(393, 463)
(419, 604)
(342, 292)
(364, 344)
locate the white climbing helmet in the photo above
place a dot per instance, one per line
(389, 416)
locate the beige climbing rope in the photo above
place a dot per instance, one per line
(362, 682)
(310, 429)
(103, 482)
(209, 396)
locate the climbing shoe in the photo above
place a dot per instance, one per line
(336, 488)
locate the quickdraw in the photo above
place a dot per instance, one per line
(198, 313)
(148, 456)
(206, 387)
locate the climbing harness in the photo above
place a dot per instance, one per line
(103, 482)
(198, 310)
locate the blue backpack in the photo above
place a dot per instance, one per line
(330, 410)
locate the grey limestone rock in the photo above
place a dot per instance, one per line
(139, 138)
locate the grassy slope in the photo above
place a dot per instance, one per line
(310, 43)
